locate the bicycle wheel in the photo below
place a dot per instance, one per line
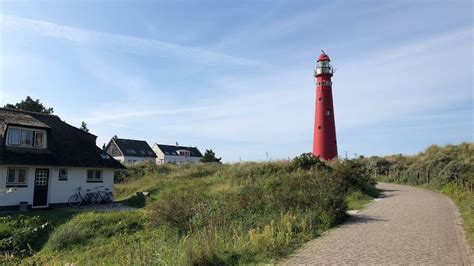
(75, 201)
(93, 198)
(109, 197)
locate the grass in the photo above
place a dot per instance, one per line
(206, 215)
(53, 218)
(357, 200)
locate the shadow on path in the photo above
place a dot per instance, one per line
(363, 219)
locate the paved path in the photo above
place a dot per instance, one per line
(407, 226)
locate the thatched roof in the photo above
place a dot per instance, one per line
(67, 145)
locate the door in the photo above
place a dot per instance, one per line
(40, 196)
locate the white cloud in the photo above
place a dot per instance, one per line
(277, 108)
(246, 114)
(123, 42)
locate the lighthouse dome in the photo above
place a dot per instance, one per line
(323, 66)
(323, 57)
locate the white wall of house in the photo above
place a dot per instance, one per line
(160, 156)
(59, 191)
(133, 159)
(180, 159)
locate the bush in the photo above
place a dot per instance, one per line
(308, 161)
(89, 226)
(66, 236)
(137, 171)
(176, 208)
(18, 234)
(211, 214)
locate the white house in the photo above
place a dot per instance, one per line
(176, 154)
(43, 160)
(130, 151)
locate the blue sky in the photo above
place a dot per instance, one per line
(236, 76)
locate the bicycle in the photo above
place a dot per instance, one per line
(78, 199)
(105, 195)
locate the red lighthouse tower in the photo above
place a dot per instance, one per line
(324, 145)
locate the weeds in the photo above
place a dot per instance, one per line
(211, 214)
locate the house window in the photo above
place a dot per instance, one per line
(94, 176)
(184, 153)
(24, 137)
(63, 174)
(14, 136)
(16, 177)
(39, 139)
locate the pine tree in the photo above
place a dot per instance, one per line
(210, 157)
(31, 105)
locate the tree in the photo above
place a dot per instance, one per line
(31, 105)
(210, 157)
(84, 126)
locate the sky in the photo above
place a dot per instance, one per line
(237, 76)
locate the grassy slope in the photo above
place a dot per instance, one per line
(229, 222)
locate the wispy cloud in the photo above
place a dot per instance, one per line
(404, 81)
(384, 85)
(123, 42)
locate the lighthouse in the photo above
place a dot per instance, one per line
(324, 142)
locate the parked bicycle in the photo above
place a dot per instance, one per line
(79, 199)
(104, 195)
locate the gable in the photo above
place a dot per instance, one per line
(113, 150)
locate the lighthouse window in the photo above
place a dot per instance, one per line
(328, 113)
(319, 127)
(320, 98)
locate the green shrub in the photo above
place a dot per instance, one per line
(18, 234)
(176, 208)
(137, 201)
(356, 200)
(66, 236)
(89, 226)
(211, 214)
(308, 161)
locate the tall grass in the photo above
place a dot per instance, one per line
(212, 214)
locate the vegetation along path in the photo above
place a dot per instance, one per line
(407, 226)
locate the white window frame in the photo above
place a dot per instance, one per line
(184, 153)
(63, 177)
(42, 138)
(30, 135)
(10, 136)
(16, 182)
(33, 139)
(94, 178)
